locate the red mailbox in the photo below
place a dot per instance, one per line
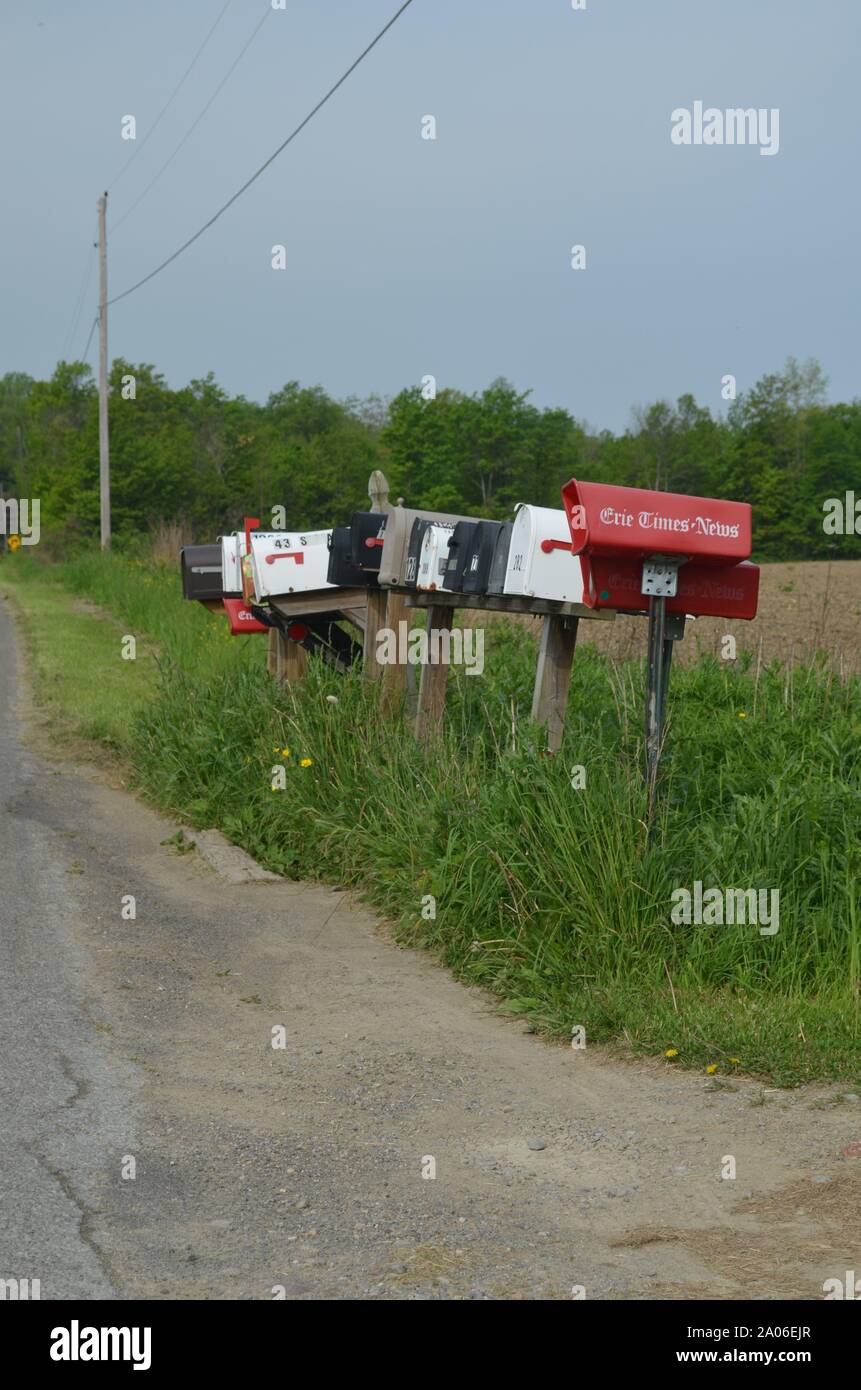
(670, 556)
(705, 591)
(609, 520)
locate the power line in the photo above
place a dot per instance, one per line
(272, 157)
(116, 225)
(90, 339)
(173, 94)
(79, 302)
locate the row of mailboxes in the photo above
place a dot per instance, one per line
(610, 547)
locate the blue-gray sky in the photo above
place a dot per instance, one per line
(451, 257)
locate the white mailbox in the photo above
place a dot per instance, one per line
(289, 562)
(434, 556)
(540, 563)
(233, 552)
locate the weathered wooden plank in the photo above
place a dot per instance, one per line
(431, 705)
(394, 680)
(294, 662)
(376, 619)
(553, 675)
(506, 603)
(317, 601)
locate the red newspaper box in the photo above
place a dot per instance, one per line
(705, 591)
(241, 618)
(609, 520)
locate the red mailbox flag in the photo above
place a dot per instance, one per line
(616, 521)
(706, 591)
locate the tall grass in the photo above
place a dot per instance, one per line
(480, 847)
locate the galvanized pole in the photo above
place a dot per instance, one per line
(104, 445)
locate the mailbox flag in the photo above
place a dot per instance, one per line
(616, 521)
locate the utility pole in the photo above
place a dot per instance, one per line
(104, 445)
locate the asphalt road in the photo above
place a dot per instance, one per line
(406, 1142)
(60, 1096)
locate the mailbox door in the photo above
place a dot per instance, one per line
(364, 527)
(538, 572)
(396, 539)
(434, 556)
(201, 572)
(231, 579)
(499, 563)
(476, 575)
(704, 591)
(290, 563)
(608, 520)
(342, 570)
(458, 555)
(414, 550)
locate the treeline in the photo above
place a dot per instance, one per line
(204, 458)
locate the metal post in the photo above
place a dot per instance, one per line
(664, 631)
(655, 694)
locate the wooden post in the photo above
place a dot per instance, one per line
(375, 619)
(294, 662)
(553, 676)
(394, 678)
(378, 615)
(434, 677)
(285, 660)
(378, 491)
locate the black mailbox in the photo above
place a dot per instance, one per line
(480, 550)
(458, 555)
(499, 561)
(201, 573)
(366, 539)
(342, 568)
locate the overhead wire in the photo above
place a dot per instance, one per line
(174, 93)
(79, 302)
(256, 175)
(90, 339)
(193, 127)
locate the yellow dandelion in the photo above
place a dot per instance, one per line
(671, 1052)
(741, 714)
(735, 1061)
(306, 762)
(711, 1068)
(285, 752)
(14, 542)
